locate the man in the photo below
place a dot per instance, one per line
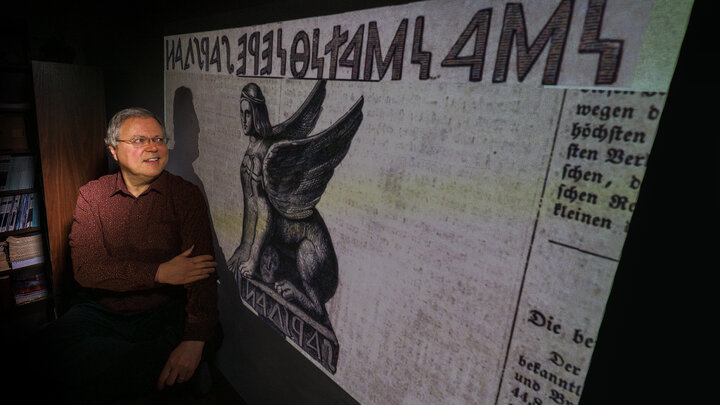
(141, 242)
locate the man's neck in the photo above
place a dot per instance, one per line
(136, 191)
(136, 186)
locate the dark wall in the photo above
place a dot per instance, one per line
(640, 348)
(670, 214)
(127, 42)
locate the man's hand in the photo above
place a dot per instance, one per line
(181, 364)
(183, 269)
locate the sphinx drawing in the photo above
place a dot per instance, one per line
(285, 244)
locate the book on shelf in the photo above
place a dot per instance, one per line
(25, 251)
(4, 208)
(7, 213)
(21, 299)
(23, 208)
(18, 212)
(4, 259)
(34, 212)
(29, 211)
(31, 261)
(29, 286)
(13, 213)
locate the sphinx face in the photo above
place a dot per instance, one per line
(246, 118)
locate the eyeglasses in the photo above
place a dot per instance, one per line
(142, 141)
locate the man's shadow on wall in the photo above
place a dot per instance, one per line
(186, 136)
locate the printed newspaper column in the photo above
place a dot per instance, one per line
(599, 157)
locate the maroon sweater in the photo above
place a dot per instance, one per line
(118, 241)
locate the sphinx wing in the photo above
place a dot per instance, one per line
(300, 124)
(296, 172)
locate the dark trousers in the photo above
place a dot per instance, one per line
(96, 355)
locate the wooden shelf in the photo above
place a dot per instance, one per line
(15, 107)
(20, 232)
(35, 301)
(22, 269)
(8, 292)
(4, 193)
(29, 304)
(15, 152)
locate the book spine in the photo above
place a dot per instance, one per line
(19, 264)
(13, 213)
(36, 213)
(31, 210)
(26, 208)
(28, 298)
(3, 212)
(21, 211)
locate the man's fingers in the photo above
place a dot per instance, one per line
(188, 252)
(200, 273)
(174, 375)
(204, 266)
(166, 377)
(204, 262)
(202, 258)
(194, 279)
(197, 275)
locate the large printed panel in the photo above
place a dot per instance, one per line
(437, 192)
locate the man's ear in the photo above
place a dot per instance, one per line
(113, 152)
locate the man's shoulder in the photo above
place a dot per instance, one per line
(107, 183)
(180, 187)
(177, 182)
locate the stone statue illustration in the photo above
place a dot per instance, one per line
(284, 172)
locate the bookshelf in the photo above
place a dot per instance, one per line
(26, 298)
(25, 287)
(53, 115)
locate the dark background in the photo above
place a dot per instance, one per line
(665, 255)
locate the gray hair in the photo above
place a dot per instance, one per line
(113, 131)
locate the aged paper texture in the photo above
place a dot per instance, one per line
(476, 214)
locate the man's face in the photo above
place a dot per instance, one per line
(140, 165)
(246, 118)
